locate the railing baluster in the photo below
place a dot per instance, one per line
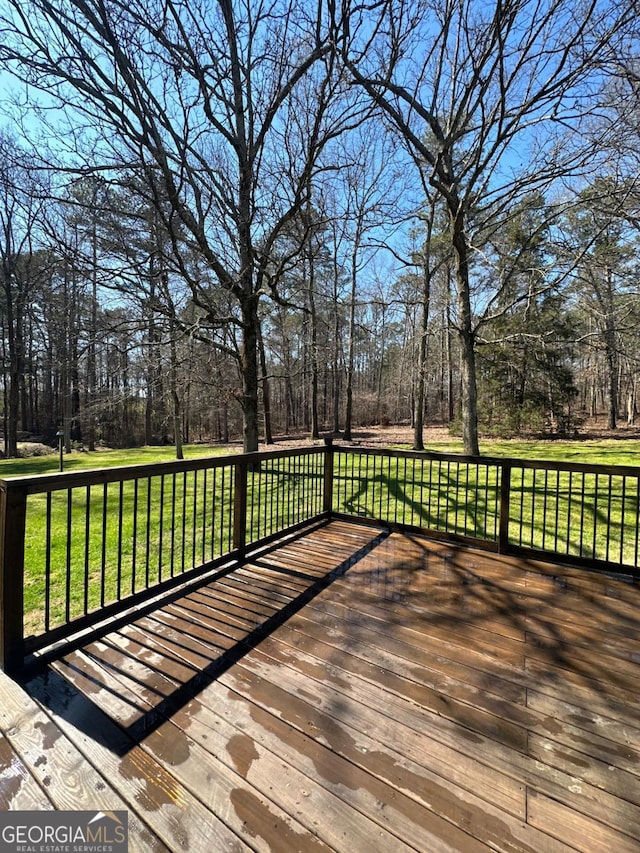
(622, 519)
(67, 595)
(120, 526)
(608, 536)
(47, 565)
(103, 549)
(555, 539)
(240, 506)
(636, 515)
(204, 516)
(87, 539)
(148, 536)
(194, 516)
(505, 501)
(595, 518)
(183, 543)
(172, 547)
(134, 542)
(161, 528)
(522, 490)
(581, 510)
(569, 501)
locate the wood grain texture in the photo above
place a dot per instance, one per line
(352, 690)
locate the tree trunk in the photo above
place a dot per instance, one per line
(418, 424)
(13, 395)
(249, 369)
(467, 337)
(92, 381)
(352, 335)
(613, 376)
(315, 427)
(336, 355)
(175, 397)
(631, 403)
(266, 391)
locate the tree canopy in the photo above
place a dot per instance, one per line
(323, 214)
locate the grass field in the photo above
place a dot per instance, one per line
(602, 452)
(89, 546)
(78, 461)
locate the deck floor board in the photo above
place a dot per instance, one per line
(349, 689)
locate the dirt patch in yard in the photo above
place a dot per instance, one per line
(392, 436)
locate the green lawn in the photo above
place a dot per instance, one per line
(77, 461)
(102, 544)
(588, 515)
(88, 546)
(605, 452)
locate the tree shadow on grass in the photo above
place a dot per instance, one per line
(444, 505)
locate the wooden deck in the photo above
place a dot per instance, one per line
(350, 690)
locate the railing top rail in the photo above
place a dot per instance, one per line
(499, 461)
(42, 483)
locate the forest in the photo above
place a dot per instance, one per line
(237, 219)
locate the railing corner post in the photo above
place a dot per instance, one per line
(240, 506)
(505, 500)
(329, 453)
(13, 511)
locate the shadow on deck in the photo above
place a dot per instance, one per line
(349, 689)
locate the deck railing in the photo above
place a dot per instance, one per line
(76, 548)
(577, 513)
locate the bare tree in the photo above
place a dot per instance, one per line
(484, 95)
(21, 209)
(202, 97)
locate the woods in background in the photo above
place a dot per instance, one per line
(230, 220)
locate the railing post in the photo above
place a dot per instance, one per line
(505, 500)
(240, 506)
(327, 504)
(13, 511)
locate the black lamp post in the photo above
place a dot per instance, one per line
(60, 437)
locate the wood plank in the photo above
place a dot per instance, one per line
(327, 642)
(212, 774)
(617, 734)
(172, 812)
(621, 673)
(474, 630)
(576, 763)
(70, 781)
(339, 756)
(421, 660)
(450, 758)
(421, 634)
(495, 757)
(470, 815)
(397, 693)
(451, 698)
(579, 684)
(18, 787)
(575, 828)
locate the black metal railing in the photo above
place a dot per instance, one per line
(583, 514)
(447, 495)
(76, 548)
(81, 546)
